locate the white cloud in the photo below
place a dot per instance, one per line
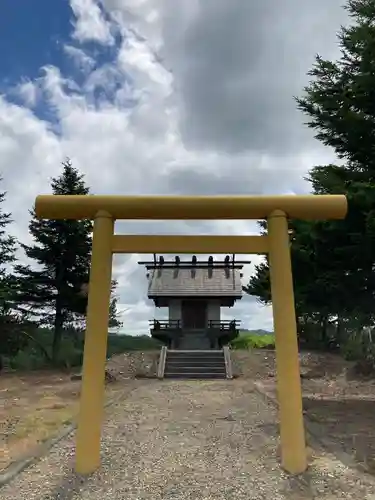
(83, 61)
(122, 126)
(90, 23)
(28, 92)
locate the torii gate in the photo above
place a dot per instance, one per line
(104, 210)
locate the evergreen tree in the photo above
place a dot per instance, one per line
(340, 105)
(114, 321)
(10, 341)
(334, 261)
(61, 252)
(7, 254)
(54, 290)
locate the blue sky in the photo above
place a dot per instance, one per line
(32, 34)
(138, 94)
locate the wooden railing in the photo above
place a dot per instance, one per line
(156, 324)
(225, 325)
(233, 324)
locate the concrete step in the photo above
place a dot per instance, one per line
(195, 351)
(200, 376)
(196, 354)
(197, 359)
(194, 369)
(193, 362)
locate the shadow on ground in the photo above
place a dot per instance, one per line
(350, 423)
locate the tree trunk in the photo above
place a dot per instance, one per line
(339, 333)
(324, 325)
(59, 315)
(43, 350)
(57, 334)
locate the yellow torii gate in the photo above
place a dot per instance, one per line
(104, 210)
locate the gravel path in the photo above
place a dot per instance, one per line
(189, 440)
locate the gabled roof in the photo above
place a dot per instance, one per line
(195, 282)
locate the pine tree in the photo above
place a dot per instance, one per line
(10, 342)
(340, 99)
(114, 321)
(337, 279)
(340, 105)
(50, 290)
(7, 253)
(54, 290)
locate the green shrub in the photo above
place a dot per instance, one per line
(71, 354)
(249, 341)
(359, 347)
(118, 344)
(353, 349)
(35, 355)
(27, 360)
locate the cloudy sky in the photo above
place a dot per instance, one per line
(160, 96)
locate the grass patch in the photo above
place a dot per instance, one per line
(251, 341)
(45, 419)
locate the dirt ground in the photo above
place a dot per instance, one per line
(35, 406)
(32, 407)
(189, 440)
(342, 404)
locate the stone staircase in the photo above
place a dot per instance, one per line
(195, 364)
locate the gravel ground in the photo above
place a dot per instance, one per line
(189, 440)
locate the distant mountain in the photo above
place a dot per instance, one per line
(255, 332)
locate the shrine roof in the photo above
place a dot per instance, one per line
(199, 279)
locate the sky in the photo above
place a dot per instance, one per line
(161, 97)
